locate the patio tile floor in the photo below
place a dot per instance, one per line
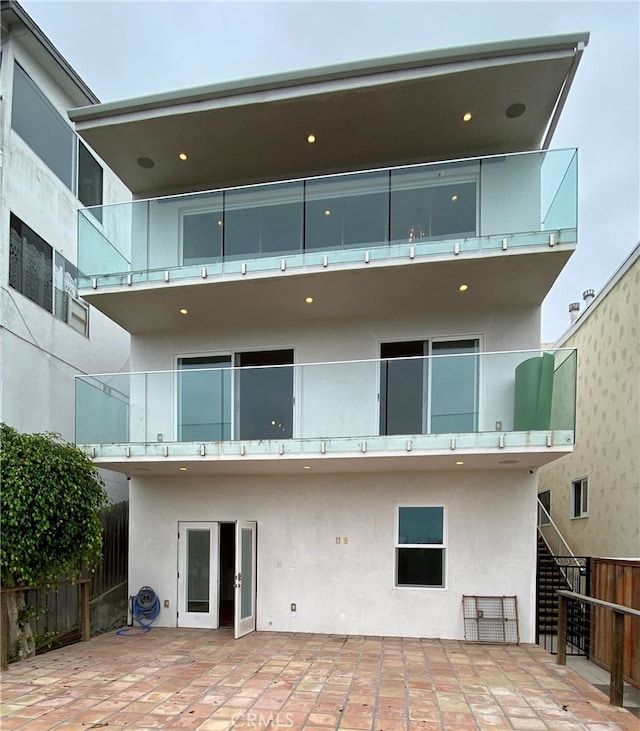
(206, 681)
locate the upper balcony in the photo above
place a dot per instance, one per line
(511, 410)
(404, 216)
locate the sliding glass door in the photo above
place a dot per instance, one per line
(264, 395)
(204, 398)
(438, 394)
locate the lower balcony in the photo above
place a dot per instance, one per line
(460, 409)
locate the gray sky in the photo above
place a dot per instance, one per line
(130, 48)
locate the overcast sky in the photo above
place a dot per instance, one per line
(131, 48)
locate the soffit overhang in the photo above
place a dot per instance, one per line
(393, 111)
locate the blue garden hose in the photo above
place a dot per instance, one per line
(145, 609)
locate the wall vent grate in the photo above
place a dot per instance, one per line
(491, 619)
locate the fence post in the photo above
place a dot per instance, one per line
(4, 630)
(561, 657)
(84, 618)
(617, 646)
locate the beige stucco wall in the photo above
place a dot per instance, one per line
(607, 449)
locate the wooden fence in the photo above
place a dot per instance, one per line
(59, 615)
(76, 611)
(115, 550)
(616, 581)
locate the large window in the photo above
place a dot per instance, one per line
(420, 546)
(47, 133)
(44, 276)
(580, 498)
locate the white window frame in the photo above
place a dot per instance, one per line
(582, 483)
(441, 546)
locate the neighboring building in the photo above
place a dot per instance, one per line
(337, 405)
(48, 334)
(594, 492)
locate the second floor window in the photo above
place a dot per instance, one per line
(46, 132)
(580, 498)
(44, 276)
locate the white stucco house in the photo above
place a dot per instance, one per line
(337, 405)
(48, 333)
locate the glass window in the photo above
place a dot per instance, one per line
(30, 264)
(198, 570)
(204, 399)
(65, 284)
(454, 387)
(420, 546)
(89, 180)
(580, 498)
(36, 120)
(265, 221)
(433, 202)
(202, 237)
(402, 377)
(264, 391)
(449, 405)
(347, 211)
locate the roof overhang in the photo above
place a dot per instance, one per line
(16, 19)
(378, 113)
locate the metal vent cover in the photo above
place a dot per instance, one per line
(491, 619)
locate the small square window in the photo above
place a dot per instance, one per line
(580, 498)
(420, 546)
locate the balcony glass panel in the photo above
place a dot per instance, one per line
(204, 399)
(263, 221)
(202, 237)
(453, 393)
(434, 202)
(347, 211)
(454, 400)
(347, 217)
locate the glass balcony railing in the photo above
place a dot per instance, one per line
(415, 211)
(427, 399)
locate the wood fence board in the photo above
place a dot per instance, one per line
(618, 581)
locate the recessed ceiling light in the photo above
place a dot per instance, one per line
(460, 462)
(454, 198)
(184, 311)
(308, 300)
(306, 467)
(467, 117)
(463, 287)
(219, 223)
(515, 110)
(311, 139)
(183, 469)
(145, 162)
(183, 156)
(327, 212)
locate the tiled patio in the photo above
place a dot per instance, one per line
(203, 679)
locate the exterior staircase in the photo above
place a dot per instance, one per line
(550, 578)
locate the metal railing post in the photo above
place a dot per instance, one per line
(561, 657)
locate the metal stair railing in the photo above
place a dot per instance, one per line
(557, 546)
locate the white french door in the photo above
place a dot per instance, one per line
(198, 575)
(245, 578)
